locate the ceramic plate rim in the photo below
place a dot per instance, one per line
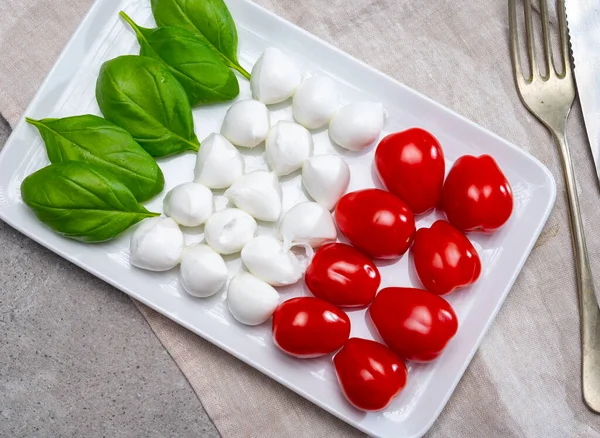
(31, 233)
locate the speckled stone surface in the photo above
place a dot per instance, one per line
(76, 356)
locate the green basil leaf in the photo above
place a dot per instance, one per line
(140, 95)
(92, 139)
(208, 18)
(81, 202)
(196, 65)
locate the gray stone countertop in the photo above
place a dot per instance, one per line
(76, 356)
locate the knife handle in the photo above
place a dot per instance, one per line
(588, 305)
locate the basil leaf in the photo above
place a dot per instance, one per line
(208, 18)
(81, 202)
(196, 66)
(91, 139)
(142, 96)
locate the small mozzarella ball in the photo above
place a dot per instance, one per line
(203, 271)
(358, 125)
(246, 123)
(250, 300)
(288, 146)
(315, 102)
(189, 204)
(259, 194)
(308, 222)
(266, 258)
(218, 163)
(275, 77)
(227, 231)
(156, 244)
(326, 179)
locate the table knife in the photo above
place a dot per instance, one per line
(583, 21)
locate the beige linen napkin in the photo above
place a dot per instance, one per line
(524, 381)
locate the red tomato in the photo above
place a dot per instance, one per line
(376, 222)
(444, 258)
(411, 166)
(414, 323)
(477, 195)
(308, 327)
(343, 276)
(370, 374)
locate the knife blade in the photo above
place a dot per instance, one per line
(583, 22)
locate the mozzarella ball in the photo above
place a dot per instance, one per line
(218, 163)
(266, 258)
(259, 194)
(308, 222)
(275, 77)
(288, 146)
(203, 271)
(250, 300)
(315, 102)
(326, 179)
(227, 231)
(189, 204)
(246, 123)
(156, 244)
(358, 125)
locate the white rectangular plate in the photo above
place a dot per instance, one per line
(69, 90)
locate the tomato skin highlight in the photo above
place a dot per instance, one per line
(414, 323)
(307, 327)
(476, 195)
(342, 275)
(411, 165)
(444, 258)
(369, 373)
(376, 222)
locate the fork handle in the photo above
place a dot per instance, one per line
(588, 304)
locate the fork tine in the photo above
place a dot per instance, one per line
(550, 67)
(514, 42)
(530, 39)
(564, 38)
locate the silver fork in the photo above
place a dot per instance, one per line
(549, 98)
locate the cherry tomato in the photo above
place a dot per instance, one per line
(444, 258)
(376, 222)
(416, 324)
(477, 195)
(308, 327)
(411, 166)
(343, 276)
(370, 374)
